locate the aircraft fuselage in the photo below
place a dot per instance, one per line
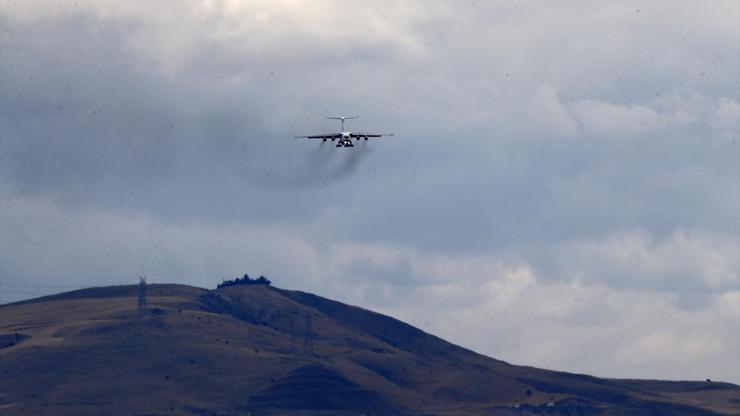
(346, 140)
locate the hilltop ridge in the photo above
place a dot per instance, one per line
(258, 349)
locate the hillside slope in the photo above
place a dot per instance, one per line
(253, 350)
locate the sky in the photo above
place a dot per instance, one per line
(562, 190)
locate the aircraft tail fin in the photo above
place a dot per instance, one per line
(342, 118)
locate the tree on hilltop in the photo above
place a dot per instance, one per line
(243, 281)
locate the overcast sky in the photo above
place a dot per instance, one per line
(562, 190)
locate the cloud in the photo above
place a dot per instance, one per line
(671, 113)
(565, 193)
(549, 111)
(729, 303)
(691, 348)
(685, 261)
(724, 121)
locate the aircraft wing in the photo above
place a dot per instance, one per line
(321, 136)
(363, 135)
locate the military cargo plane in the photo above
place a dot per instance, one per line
(343, 137)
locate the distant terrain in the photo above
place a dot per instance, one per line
(259, 350)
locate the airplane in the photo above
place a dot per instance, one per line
(344, 137)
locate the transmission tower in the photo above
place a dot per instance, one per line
(142, 296)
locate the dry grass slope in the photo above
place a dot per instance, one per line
(260, 350)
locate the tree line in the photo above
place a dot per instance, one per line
(242, 281)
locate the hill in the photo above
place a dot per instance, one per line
(259, 350)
